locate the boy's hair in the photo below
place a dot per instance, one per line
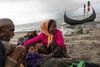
(28, 46)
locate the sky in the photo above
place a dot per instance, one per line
(28, 11)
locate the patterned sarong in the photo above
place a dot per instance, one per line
(64, 62)
(44, 49)
(9, 62)
(55, 62)
(54, 48)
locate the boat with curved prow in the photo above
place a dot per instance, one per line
(74, 22)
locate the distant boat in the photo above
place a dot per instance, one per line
(74, 22)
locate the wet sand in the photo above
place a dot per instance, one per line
(84, 47)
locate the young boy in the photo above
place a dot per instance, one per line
(34, 59)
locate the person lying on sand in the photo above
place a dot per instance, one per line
(34, 59)
(11, 55)
(50, 36)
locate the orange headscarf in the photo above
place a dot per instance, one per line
(44, 28)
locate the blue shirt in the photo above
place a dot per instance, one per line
(2, 53)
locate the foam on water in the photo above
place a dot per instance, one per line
(36, 25)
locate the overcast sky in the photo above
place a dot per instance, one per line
(28, 11)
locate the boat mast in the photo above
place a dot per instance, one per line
(88, 8)
(84, 10)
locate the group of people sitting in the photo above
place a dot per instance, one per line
(52, 52)
(23, 39)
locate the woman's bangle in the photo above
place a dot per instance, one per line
(51, 54)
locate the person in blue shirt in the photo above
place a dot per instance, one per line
(13, 56)
(2, 53)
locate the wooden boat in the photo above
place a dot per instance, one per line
(74, 22)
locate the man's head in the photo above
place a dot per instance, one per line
(6, 29)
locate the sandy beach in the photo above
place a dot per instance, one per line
(84, 47)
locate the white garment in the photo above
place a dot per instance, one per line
(66, 32)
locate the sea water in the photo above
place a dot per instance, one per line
(36, 25)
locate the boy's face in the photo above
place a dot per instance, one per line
(32, 49)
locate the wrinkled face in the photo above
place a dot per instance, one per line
(32, 49)
(7, 32)
(52, 29)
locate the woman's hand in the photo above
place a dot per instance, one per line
(43, 55)
(51, 54)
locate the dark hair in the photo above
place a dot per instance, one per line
(50, 22)
(3, 27)
(28, 46)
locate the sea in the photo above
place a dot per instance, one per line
(36, 25)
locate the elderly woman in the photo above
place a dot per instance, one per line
(51, 38)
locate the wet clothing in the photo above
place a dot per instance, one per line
(34, 60)
(64, 62)
(55, 62)
(58, 38)
(2, 53)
